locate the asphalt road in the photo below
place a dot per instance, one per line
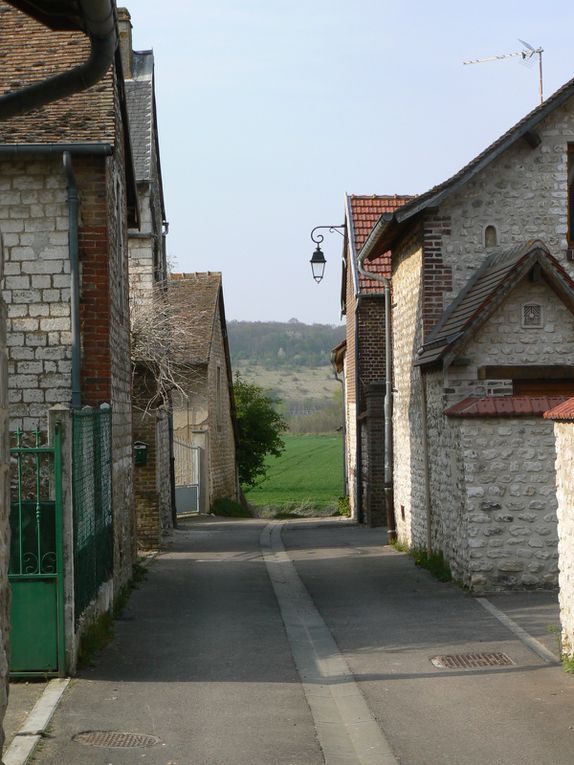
(203, 660)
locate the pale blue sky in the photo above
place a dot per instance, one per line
(269, 111)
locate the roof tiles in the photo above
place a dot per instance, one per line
(86, 117)
(564, 411)
(365, 212)
(505, 406)
(195, 298)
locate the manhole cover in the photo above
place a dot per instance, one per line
(472, 660)
(114, 739)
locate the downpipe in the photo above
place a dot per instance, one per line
(73, 202)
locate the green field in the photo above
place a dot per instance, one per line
(308, 475)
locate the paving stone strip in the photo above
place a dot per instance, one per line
(347, 732)
(29, 735)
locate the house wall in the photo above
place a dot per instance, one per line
(503, 341)
(564, 434)
(36, 287)
(4, 517)
(447, 480)
(407, 418)
(523, 193)
(350, 391)
(222, 461)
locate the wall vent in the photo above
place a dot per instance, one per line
(532, 315)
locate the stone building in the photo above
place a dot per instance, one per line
(204, 411)
(457, 487)
(67, 195)
(362, 359)
(563, 417)
(152, 419)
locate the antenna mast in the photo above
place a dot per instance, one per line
(526, 54)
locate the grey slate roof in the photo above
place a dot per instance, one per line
(486, 290)
(139, 96)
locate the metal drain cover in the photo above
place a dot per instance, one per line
(472, 660)
(114, 739)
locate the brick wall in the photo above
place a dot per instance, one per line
(4, 527)
(437, 273)
(564, 434)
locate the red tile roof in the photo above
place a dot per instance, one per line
(504, 406)
(564, 411)
(365, 212)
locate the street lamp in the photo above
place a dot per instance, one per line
(318, 259)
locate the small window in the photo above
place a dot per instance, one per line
(532, 315)
(490, 236)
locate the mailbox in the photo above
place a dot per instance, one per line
(140, 452)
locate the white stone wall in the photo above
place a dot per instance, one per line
(510, 502)
(36, 287)
(449, 521)
(407, 422)
(523, 193)
(564, 433)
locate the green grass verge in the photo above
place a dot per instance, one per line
(306, 479)
(433, 562)
(230, 509)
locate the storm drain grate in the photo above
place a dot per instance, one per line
(472, 660)
(113, 739)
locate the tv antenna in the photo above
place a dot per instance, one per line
(526, 54)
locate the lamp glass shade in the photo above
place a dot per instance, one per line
(318, 264)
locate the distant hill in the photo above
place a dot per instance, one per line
(282, 345)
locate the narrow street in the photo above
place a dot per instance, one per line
(226, 658)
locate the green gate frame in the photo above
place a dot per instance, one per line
(33, 578)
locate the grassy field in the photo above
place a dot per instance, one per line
(307, 477)
(292, 384)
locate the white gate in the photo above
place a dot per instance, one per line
(187, 476)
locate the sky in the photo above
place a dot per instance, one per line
(270, 111)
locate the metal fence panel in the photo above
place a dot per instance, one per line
(92, 494)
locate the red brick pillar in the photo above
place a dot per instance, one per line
(375, 514)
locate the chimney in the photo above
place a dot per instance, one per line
(125, 34)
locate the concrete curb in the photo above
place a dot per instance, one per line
(30, 734)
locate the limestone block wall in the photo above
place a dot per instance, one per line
(407, 421)
(510, 502)
(564, 434)
(36, 286)
(4, 510)
(350, 392)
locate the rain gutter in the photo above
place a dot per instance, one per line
(100, 26)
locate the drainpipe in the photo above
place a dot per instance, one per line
(99, 24)
(426, 466)
(73, 208)
(389, 500)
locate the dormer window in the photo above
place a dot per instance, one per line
(490, 236)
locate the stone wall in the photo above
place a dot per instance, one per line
(36, 286)
(4, 510)
(523, 193)
(222, 460)
(350, 389)
(564, 433)
(407, 420)
(510, 502)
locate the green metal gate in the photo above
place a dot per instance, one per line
(36, 571)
